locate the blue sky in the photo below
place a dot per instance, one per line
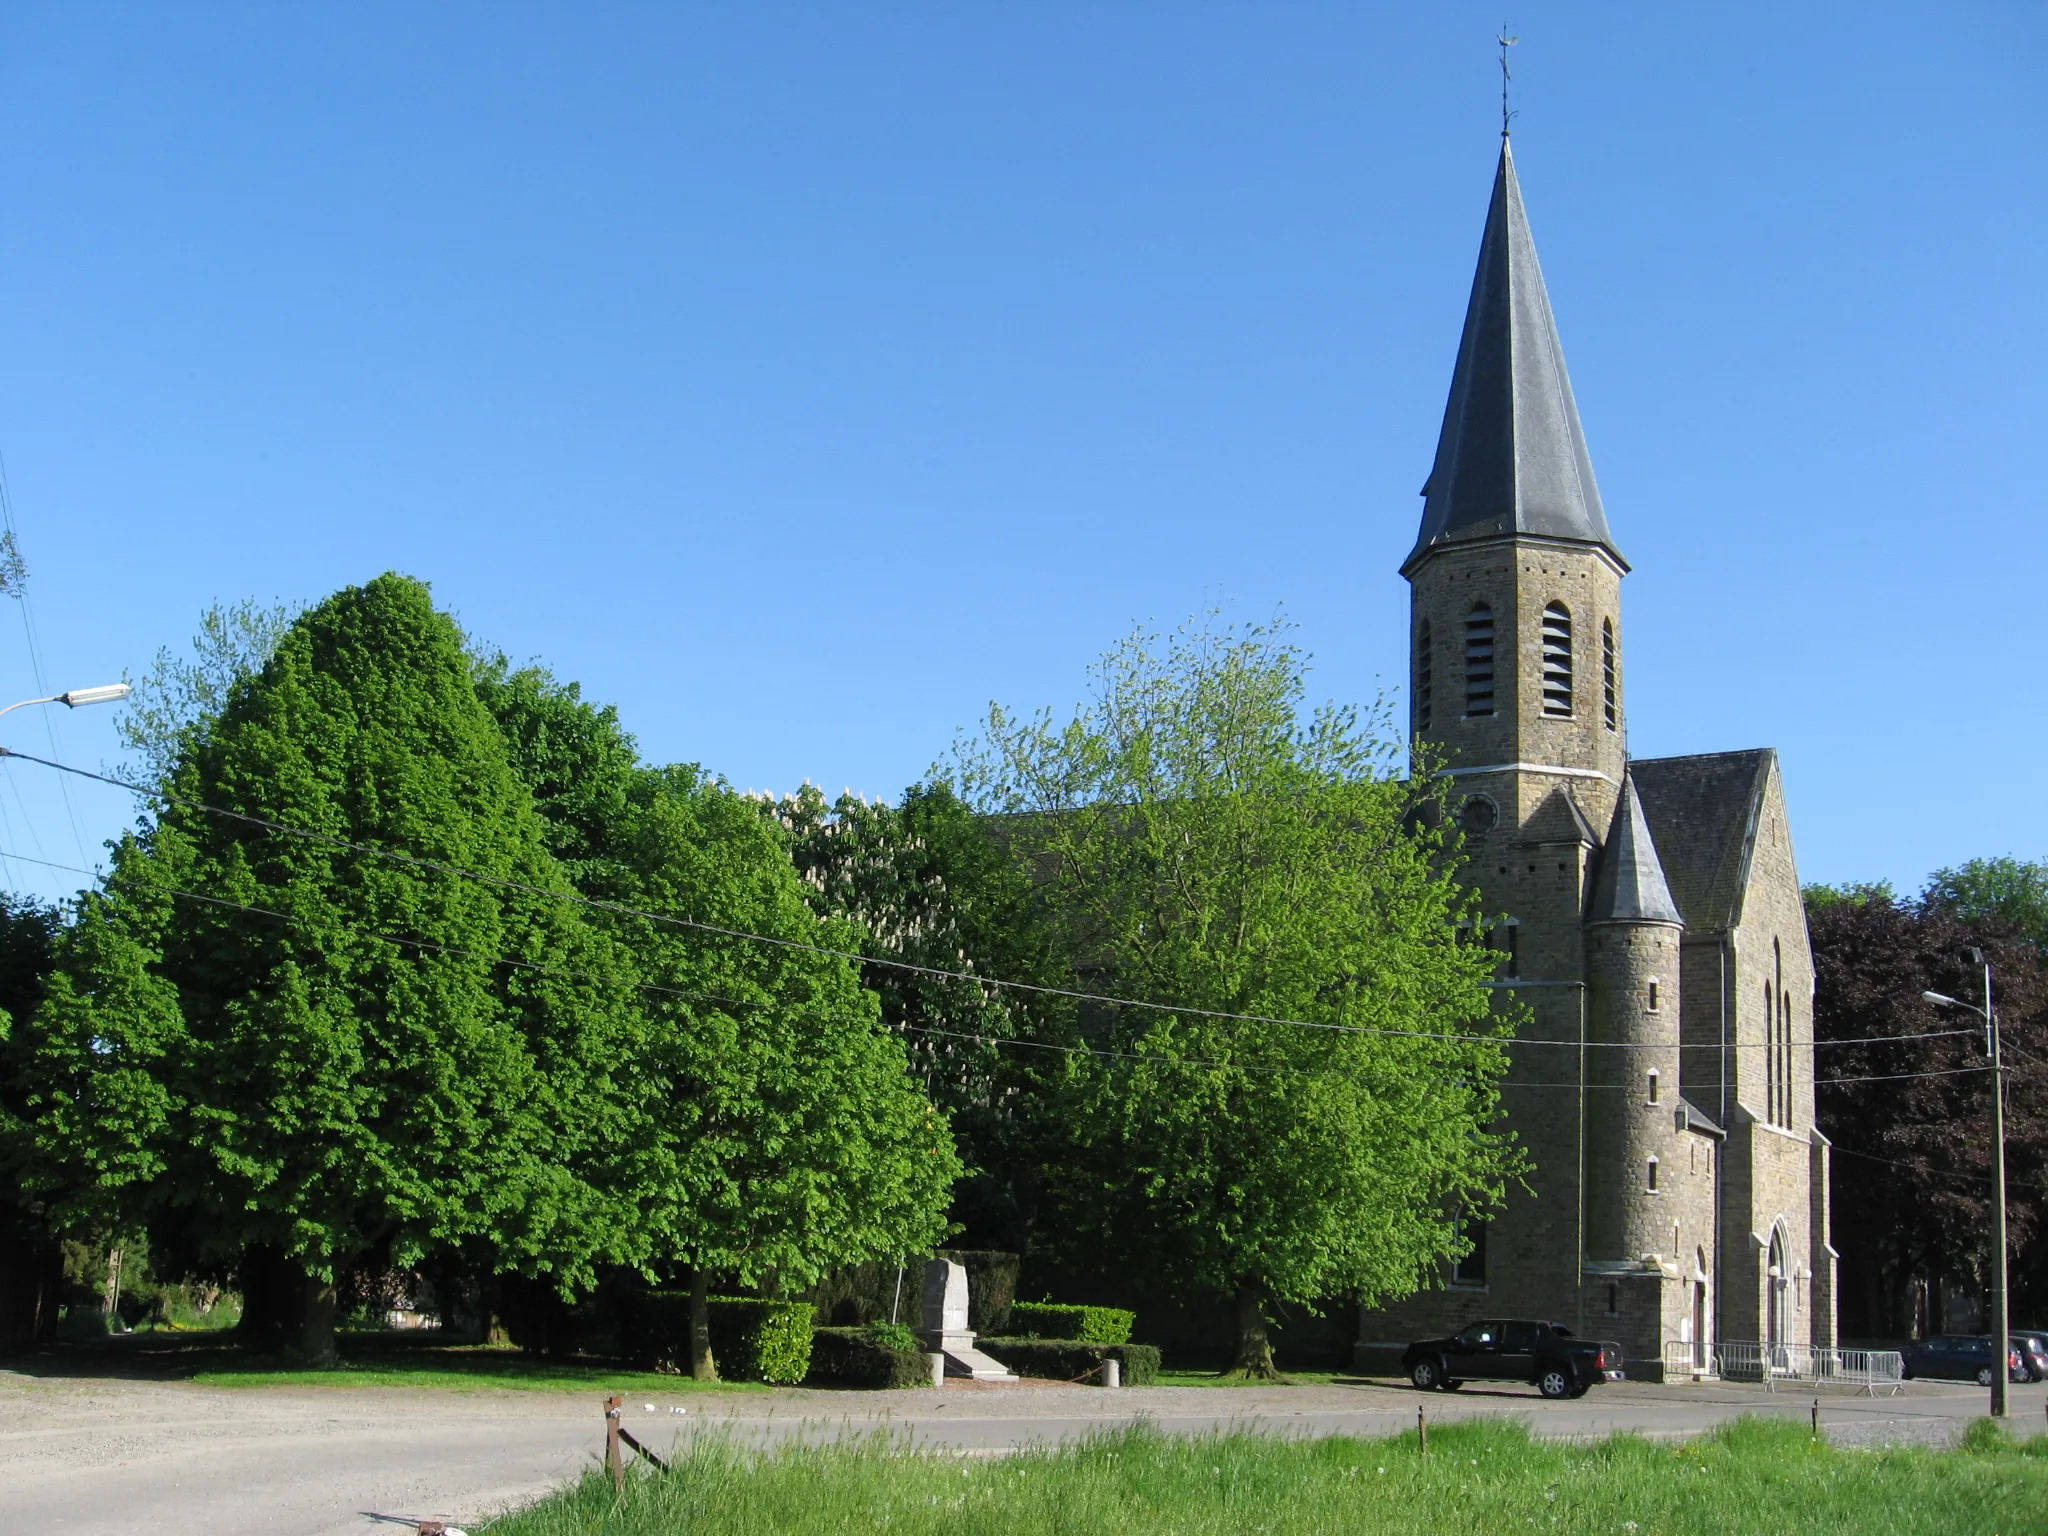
(803, 377)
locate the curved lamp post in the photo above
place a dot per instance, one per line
(106, 693)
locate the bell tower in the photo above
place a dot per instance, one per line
(1515, 580)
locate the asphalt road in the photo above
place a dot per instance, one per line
(98, 1457)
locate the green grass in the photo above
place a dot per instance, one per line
(1486, 1478)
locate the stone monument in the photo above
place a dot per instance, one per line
(945, 1330)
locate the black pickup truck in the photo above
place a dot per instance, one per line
(1546, 1355)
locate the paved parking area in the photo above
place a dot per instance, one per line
(98, 1457)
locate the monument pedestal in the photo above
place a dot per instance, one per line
(963, 1359)
(945, 1330)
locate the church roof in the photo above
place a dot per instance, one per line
(1703, 812)
(1512, 457)
(1631, 887)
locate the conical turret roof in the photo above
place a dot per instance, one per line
(1632, 887)
(1512, 457)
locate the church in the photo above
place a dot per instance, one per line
(1646, 910)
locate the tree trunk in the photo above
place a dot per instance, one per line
(316, 1326)
(702, 1366)
(1254, 1344)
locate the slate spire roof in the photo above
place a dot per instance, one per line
(1511, 458)
(1632, 887)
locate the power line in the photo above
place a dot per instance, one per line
(921, 1029)
(620, 909)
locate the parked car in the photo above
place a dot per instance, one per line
(1958, 1357)
(2033, 1353)
(1546, 1355)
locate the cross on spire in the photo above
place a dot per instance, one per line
(1506, 43)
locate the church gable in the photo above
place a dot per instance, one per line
(1704, 812)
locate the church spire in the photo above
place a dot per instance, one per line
(1631, 887)
(1512, 458)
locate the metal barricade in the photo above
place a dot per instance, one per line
(1864, 1370)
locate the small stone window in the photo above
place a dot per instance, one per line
(1557, 660)
(1479, 661)
(1653, 1099)
(1425, 668)
(1609, 695)
(1652, 1176)
(1613, 1300)
(1653, 994)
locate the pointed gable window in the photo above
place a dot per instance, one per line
(1479, 661)
(1425, 669)
(1607, 689)
(1557, 660)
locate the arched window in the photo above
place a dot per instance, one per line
(1653, 1085)
(1770, 1054)
(1479, 661)
(1609, 697)
(1557, 660)
(1425, 668)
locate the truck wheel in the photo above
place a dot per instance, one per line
(1555, 1382)
(1425, 1375)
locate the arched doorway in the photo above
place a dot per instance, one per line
(1700, 1354)
(1774, 1297)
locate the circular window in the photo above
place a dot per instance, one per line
(1478, 815)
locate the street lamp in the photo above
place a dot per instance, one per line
(106, 693)
(2001, 1317)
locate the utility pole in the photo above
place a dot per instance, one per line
(2001, 1316)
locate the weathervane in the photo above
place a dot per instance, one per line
(1506, 43)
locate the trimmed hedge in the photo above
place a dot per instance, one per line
(864, 1357)
(859, 1294)
(1066, 1359)
(751, 1340)
(1086, 1325)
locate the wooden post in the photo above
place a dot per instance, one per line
(1816, 1418)
(1422, 1427)
(614, 1459)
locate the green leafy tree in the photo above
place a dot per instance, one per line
(2013, 893)
(942, 901)
(178, 699)
(776, 1131)
(295, 1047)
(1213, 851)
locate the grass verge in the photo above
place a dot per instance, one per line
(1753, 1476)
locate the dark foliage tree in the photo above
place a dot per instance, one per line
(1912, 1181)
(30, 1259)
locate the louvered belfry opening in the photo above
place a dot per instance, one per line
(1557, 660)
(1479, 661)
(1425, 670)
(1607, 691)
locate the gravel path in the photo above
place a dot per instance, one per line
(97, 1457)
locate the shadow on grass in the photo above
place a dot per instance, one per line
(367, 1360)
